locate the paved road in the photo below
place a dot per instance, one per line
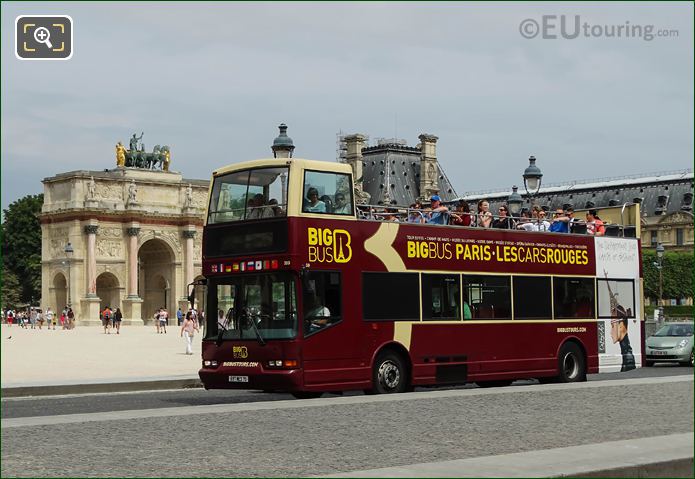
(324, 436)
(73, 404)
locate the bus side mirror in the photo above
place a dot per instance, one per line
(304, 276)
(191, 296)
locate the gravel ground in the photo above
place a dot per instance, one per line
(324, 440)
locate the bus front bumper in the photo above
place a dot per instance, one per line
(268, 380)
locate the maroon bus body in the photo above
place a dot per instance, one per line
(341, 357)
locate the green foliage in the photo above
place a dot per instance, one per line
(21, 250)
(677, 271)
(11, 289)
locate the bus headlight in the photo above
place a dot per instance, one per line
(210, 363)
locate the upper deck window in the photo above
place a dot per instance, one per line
(253, 194)
(329, 193)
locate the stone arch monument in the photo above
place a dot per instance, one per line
(136, 235)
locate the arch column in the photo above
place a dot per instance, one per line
(90, 302)
(91, 232)
(132, 305)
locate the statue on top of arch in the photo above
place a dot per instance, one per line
(137, 157)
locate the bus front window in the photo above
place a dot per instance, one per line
(254, 194)
(265, 303)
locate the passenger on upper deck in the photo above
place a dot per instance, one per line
(525, 221)
(594, 224)
(542, 223)
(560, 222)
(341, 206)
(438, 215)
(414, 213)
(462, 215)
(484, 217)
(257, 208)
(313, 205)
(391, 214)
(277, 209)
(503, 221)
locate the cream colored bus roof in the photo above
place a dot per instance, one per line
(296, 162)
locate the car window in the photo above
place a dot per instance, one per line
(675, 330)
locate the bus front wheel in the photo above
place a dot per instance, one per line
(389, 375)
(571, 365)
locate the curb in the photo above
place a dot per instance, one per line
(57, 389)
(674, 468)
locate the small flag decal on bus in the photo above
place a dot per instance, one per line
(235, 267)
(214, 268)
(259, 265)
(250, 266)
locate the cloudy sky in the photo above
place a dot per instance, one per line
(213, 81)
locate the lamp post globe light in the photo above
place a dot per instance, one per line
(532, 177)
(660, 265)
(68, 254)
(515, 201)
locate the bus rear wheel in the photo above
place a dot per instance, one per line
(389, 375)
(571, 364)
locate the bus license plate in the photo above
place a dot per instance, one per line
(238, 379)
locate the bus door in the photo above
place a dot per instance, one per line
(330, 346)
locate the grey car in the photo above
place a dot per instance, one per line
(672, 342)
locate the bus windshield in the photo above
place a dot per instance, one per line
(266, 301)
(254, 194)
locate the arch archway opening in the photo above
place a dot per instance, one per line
(156, 278)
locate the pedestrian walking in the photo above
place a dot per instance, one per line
(117, 318)
(64, 319)
(188, 329)
(163, 319)
(106, 319)
(156, 319)
(36, 319)
(50, 318)
(179, 317)
(71, 318)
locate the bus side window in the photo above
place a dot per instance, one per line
(489, 296)
(321, 296)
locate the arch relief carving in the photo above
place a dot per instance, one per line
(107, 191)
(111, 232)
(109, 248)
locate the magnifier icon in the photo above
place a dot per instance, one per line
(42, 35)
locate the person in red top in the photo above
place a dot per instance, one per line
(106, 319)
(594, 224)
(462, 215)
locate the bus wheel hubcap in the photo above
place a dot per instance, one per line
(389, 375)
(570, 366)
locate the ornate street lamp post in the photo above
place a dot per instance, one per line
(515, 201)
(532, 178)
(68, 254)
(660, 265)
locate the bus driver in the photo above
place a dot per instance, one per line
(317, 315)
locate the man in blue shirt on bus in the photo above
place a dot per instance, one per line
(439, 214)
(560, 222)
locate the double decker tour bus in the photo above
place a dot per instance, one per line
(304, 295)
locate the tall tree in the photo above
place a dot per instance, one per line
(677, 275)
(21, 246)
